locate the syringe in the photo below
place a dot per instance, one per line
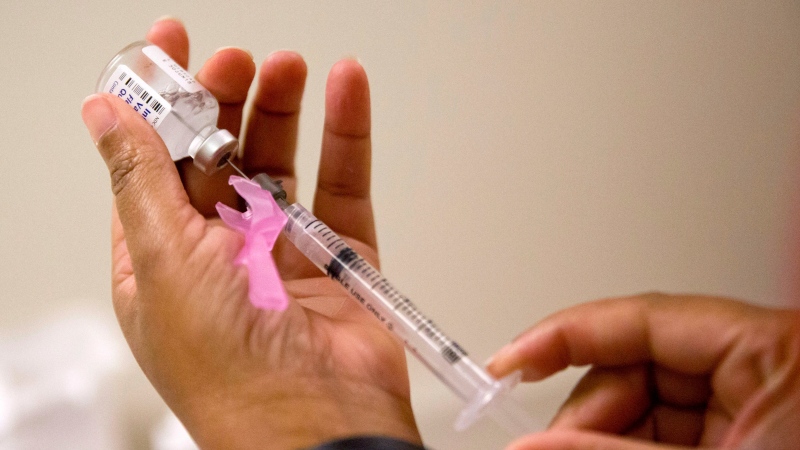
(484, 394)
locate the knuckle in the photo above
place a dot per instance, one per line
(344, 189)
(122, 172)
(122, 163)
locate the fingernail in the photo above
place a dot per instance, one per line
(98, 115)
(351, 58)
(503, 353)
(277, 52)
(236, 48)
(169, 18)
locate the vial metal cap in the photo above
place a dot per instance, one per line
(215, 150)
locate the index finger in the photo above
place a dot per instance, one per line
(170, 35)
(689, 335)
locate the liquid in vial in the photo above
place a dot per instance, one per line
(182, 111)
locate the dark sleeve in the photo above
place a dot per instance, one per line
(368, 443)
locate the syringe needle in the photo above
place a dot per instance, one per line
(239, 171)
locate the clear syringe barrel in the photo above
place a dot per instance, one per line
(421, 337)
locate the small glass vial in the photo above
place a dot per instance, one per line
(181, 110)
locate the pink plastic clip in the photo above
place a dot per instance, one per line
(261, 224)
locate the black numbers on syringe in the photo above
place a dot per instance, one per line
(337, 264)
(347, 258)
(345, 264)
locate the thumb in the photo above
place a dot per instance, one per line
(582, 440)
(153, 206)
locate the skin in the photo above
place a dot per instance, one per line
(238, 377)
(666, 372)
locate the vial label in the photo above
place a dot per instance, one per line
(125, 84)
(173, 69)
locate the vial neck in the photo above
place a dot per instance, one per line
(201, 137)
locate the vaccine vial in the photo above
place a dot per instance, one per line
(181, 110)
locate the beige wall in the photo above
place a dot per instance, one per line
(528, 155)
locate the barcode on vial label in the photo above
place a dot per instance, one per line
(126, 85)
(145, 95)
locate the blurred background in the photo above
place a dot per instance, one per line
(528, 156)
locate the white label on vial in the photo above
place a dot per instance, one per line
(173, 69)
(143, 99)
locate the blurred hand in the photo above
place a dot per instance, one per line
(239, 377)
(680, 371)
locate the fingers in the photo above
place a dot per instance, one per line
(170, 34)
(342, 198)
(684, 334)
(227, 75)
(611, 330)
(607, 400)
(578, 440)
(271, 138)
(624, 401)
(697, 347)
(152, 205)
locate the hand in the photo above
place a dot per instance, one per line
(684, 371)
(239, 377)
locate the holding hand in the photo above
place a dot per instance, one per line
(685, 371)
(238, 377)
